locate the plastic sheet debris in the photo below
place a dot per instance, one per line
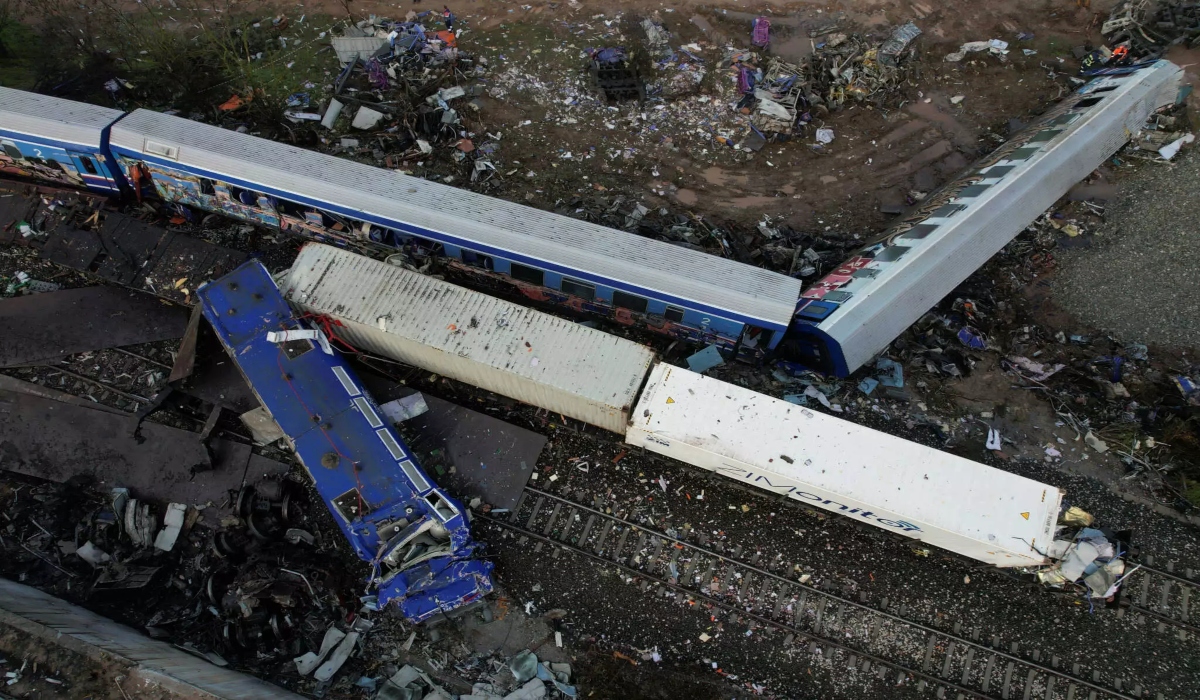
(824, 135)
(366, 118)
(1095, 443)
(410, 682)
(337, 658)
(405, 408)
(93, 554)
(898, 43)
(993, 440)
(309, 661)
(1171, 150)
(994, 46)
(172, 525)
(524, 666)
(705, 360)
(1032, 370)
(972, 338)
(891, 373)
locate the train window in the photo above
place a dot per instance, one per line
(88, 165)
(1045, 135)
(290, 208)
(1064, 119)
(630, 301)
(998, 171)
(919, 231)
(947, 211)
(890, 254)
(865, 273)
(206, 187)
(674, 313)
(816, 310)
(369, 413)
(474, 259)
(532, 275)
(837, 297)
(390, 443)
(1089, 102)
(973, 190)
(12, 151)
(1022, 154)
(414, 475)
(579, 289)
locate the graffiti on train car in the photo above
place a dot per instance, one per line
(709, 330)
(38, 162)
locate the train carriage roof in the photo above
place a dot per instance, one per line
(741, 290)
(64, 121)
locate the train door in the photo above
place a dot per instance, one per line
(93, 173)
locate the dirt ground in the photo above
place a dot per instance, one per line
(878, 156)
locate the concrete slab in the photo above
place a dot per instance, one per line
(53, 324)
(52, 440)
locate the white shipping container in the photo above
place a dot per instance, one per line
(894, 484)
(518, 352)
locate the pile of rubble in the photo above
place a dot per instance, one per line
(1152, 26)
(1088, 560)
(401, 84)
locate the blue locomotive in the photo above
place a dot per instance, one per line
(416, 537)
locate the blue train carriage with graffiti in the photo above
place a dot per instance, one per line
(846, 318)
(415, 537)
(58, 141)
(547, 257)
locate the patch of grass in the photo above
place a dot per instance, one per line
(19, 57)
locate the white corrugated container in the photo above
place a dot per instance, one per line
(894, 484)
(518, 352)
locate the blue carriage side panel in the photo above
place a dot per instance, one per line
(416, 537)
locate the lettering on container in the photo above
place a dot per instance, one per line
(764, 481)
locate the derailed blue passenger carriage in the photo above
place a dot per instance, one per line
(415, 536)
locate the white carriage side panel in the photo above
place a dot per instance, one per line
(724, 285)
(54, 118)
(906, 289)
(527, 355)
(825, 462)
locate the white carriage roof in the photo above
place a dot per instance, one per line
(54, 118)
(650, 264)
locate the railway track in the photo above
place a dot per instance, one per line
(1167, 597)
(956, 663)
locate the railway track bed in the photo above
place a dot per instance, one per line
(750, 589)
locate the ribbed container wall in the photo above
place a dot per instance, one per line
(527, 355)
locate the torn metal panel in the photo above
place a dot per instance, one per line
(53, 440)
(51, 325)
(354, 48)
